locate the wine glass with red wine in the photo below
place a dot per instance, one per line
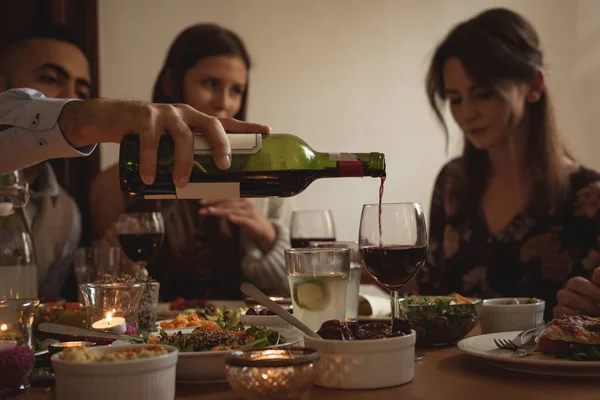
(393, 243)
(140, 236)
(311, 226)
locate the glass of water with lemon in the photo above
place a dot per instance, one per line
(318, 279)
(353, 285)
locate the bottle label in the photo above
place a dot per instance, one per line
(241, 143)
(351, 168)
(208, 191)
(348, 164)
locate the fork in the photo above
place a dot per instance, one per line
(505, 344)
(514, 344)
(531, 344)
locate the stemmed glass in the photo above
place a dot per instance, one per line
(393, 243)
(311, 226)
(140, 236)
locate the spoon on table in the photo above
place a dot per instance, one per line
(264, 300)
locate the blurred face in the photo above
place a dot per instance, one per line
(215, 85)
(484, 118)
(55, 68)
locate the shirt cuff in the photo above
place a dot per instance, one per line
(38, 130)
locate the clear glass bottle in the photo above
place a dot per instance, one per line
(18, 272)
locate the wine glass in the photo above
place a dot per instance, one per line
(140, 236)
(393, 243)
(311, 226)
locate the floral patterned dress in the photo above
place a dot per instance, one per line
(533, 256)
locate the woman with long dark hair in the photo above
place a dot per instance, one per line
(210, 246)
(515, 215)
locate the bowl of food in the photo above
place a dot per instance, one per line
(441, 320)
(202, 349)
(208, 311)
(290, 373)
(262, 316)
(65, 313)
(115, 372)
(511, 314)
(363, 355)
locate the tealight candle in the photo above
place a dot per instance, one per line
(111, 324)
(273, 373)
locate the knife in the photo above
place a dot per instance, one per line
(68, 330)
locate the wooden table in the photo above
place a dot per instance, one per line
(444, 374)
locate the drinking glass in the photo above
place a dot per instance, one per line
(353, 286)
(318, 279)
(311, 225)
(109, 301)
(393, 243)
(140, 236)
(92, 263)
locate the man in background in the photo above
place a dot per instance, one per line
(49, 59)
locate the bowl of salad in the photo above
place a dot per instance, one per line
(202, 348)
(441, 320)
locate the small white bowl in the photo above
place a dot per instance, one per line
(364, 364)
(498, 316)
(147, 378)
(270, 321)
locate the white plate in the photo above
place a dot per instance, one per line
(483, 346)
(209, 366)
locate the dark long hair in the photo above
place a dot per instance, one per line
(190, 47)
(497, 46)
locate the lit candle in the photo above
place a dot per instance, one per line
(6, 344)
(111, 324)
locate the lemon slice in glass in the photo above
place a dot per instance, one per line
(311, 294)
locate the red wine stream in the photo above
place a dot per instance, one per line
(380, 197)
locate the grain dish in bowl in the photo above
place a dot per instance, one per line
(202, 354)
(116, 372)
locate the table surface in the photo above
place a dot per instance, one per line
(445, 373)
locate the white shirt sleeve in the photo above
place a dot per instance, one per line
(33, 135)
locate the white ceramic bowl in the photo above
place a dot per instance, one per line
(270, 321)
(364, 364)
(148, 378)
(498, 316)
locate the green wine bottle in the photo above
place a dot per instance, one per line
(278, 165)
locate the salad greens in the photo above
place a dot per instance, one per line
(582, 353)
(228, 337)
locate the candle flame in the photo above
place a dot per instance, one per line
(3, 327)
(108, 317)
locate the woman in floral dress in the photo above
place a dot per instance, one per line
(515, 215)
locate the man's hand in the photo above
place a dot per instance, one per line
(580, 296)
(102, 120)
